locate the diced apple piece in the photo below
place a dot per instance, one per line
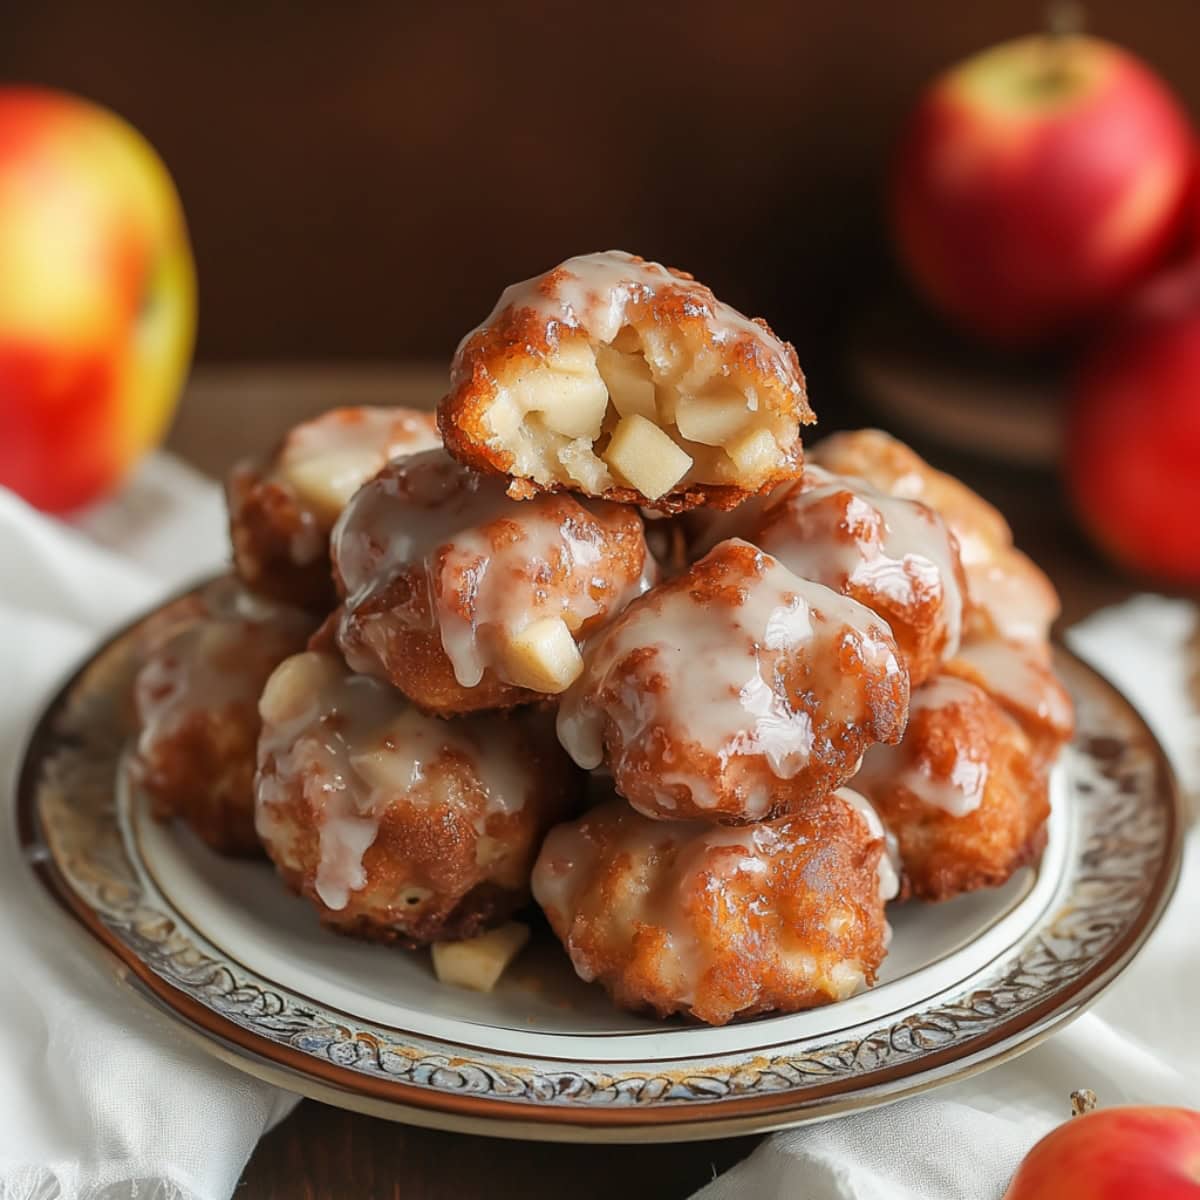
(714, 419)
(645, 457)
(543, 656)
(290, 689)
(327, 481)
(627, 377)
(755, 452)
(627, 340)
(479, 962)
(569, 396)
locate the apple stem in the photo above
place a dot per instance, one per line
(1083, 1101)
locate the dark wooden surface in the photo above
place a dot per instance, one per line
(321, 1153)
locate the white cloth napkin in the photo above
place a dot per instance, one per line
(1139, 1045)
(101, 1098)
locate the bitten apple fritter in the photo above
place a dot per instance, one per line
(964, 793)
(735, 692)
(196, 698)
(718, 923)
(400, 827)
(281, 511)
(466, 599)
(621, 379)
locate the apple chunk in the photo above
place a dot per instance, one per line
(569, 397)
(543, 656)
(479, 962)
(327, 481)
(645, 457)
(714, 419)
(627, 377)
(754, 453)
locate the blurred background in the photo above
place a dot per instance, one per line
(361, 180)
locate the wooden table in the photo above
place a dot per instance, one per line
(322, 1152)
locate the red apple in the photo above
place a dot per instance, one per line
(1115, 1154)
(1035, 182)
(97, 297)
(1133, 432)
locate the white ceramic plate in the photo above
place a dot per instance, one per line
(244, 966)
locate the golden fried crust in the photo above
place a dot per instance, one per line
(895, 556)
(1018, 678)
(196, 698)
(441, 856)
(893, 467)
(393, 634)
(672, 917)
(267, 524)
(665, 318)
(281, 510)
(735, 692)
(1008, 596)
(963, 736)
(475, 581)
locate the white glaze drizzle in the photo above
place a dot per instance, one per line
(214, 659)
(658, 896)
(1014, 675)
(457, 523)
(889, 861)
(885, 767)
(356, 748)
(595, 292)
(717, 664)
(1020, 601)
(904, 543)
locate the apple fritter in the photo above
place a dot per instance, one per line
(735, 692)
(196, 699)
(895, 556)
(281, 511)
(1008, 596)
(619, 378)
(400, 827)
(717, 923)
(466, 599)
(1017, 677)
(964, 793)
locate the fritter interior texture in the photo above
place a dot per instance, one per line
(617, 377)
(964, 793)
(196, 698)
(735, 692)
(466, 599)
(717, 923)
(396, 826)
(281, 510)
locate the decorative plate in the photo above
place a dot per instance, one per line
(241, 964)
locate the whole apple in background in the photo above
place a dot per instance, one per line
(1035, 182)
(1133, 432)
(1130, 1153)
(97, 297)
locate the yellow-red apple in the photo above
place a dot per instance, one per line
(1130, 1153)
(1133, 432)
(97, 297)
(1035, 182)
